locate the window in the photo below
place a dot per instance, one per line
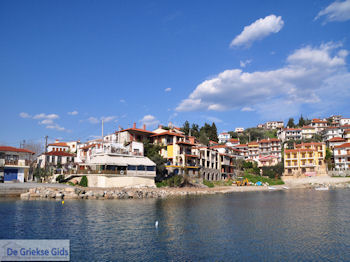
(141, 168)
(131, 167)
(151, 168)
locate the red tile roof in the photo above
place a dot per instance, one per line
(58, 153)
(343, 145)
(136, 130)
(167, 133)
(14, 149)
(336, 139)
(59, 144)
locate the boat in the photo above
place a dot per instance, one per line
(322, 188)
(285, 187)
(272, 188)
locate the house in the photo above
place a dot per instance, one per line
(209, 159)
(14, 163)
(341, 155)
(274, 125)
(253, 151)
(289, 134)
(56, 161)
(319, 124)
(306, 159)
(270, 147)
(331, 132)
(224, 137)
(308, 132)
(243, 149)
(113, 168)
(232, 142)
(239, 130)
(346, 135)
(344, 121)
(335, 141)
(267, 160)
(58, 146)
(176, 148)
(133, 134)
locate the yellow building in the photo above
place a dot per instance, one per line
(306, 159)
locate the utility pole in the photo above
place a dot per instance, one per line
(46, 137)
(102, 130)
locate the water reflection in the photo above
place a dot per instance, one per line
(275, 226)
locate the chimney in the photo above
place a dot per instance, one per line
(160, 126)
(134, 126)
(56, 141)
(144, 127)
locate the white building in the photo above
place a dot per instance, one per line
(239, 129)
(289, 134)
(307, 132)
(344, 121)
(331, 132)
(224, 137)
(335, 141)
(342, 156)
(274, 125)
(14, 163)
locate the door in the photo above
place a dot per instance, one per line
(10, 174)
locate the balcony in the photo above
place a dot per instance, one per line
(15, 163)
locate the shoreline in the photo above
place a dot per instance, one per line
(65, 192)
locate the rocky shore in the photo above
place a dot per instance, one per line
(77, 192)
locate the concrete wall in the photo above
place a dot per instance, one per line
(105, 181)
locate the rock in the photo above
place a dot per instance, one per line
(25, 195)
(59, 196)
(69, 189)
(70, 196)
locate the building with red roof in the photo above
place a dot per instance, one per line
(14, 163)
(341, 154)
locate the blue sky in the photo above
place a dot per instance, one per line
(65, 65)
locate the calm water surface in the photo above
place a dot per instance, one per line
(294, 225)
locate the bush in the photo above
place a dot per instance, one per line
(60, 178)
(208, 183)
(174, 181)
(84, 181)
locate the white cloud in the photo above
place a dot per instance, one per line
(93, 120)
(24, 115)
(247, 109)
(56, 127)
(261, 28)
(336, 11)
(46, 122)
(107, 119)
(45, 116)
(245, 63)
(149, 120)
(213, 119)
(167, 89)
(284, 90)
(122, 101)
(73, 113)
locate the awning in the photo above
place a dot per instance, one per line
(121, 160)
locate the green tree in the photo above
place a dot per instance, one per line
(84, 181)
(291, 123)
(213, 133)
(203, 139)
(195, 130)
(301, 121)
(152, 152)
(186, 128)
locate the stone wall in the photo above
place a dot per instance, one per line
(125, 181)
(342, 173)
